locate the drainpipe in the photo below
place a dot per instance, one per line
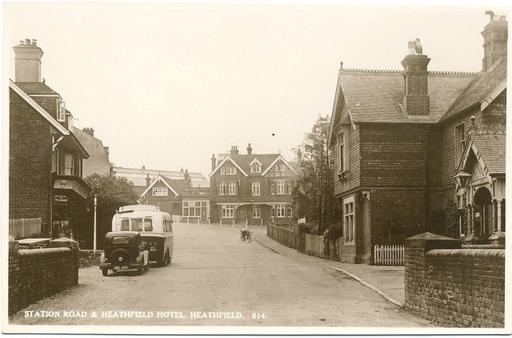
(427, 177)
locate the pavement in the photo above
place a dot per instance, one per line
(215, 279)
(388, 281)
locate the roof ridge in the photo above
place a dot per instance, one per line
(394, 71)
(449, 72)
(360, 70)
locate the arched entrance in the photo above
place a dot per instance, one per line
(483, 213)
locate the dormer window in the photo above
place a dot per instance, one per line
(61, 111)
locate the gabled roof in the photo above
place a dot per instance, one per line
(480, 88)
(37, 88)
(243, 162)
(185, 190)
(159, 179)
(18, 90)
(491, 149)
(228, 158)
(279, 158)
(376, 95)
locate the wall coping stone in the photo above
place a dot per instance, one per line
(42, 251)
(467, 252)
(64, 242)
(428, 241)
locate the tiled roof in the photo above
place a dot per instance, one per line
(185, 190)
(492, 149)
(375, 95)
(36, 88)
(244, 161)
(478, 90)
(138, 176)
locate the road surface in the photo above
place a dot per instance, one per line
(216, 279)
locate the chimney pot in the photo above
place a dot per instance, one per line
(495, 36)
(416, 100)
(27, 56)
(214, 162)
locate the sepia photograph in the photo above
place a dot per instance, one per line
(254, 167)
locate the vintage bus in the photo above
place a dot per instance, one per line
(154, 226)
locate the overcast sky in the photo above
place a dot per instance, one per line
(166, 85)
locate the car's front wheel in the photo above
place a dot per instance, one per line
(104, 272)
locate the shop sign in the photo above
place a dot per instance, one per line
(60, 198)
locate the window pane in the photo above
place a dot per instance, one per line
(125, 224)
(136, 224)
(148, 224)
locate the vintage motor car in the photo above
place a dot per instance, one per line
(124, 251)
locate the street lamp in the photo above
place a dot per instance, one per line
(95, 186)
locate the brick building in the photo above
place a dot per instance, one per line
(251, 188)
(407, 141)
(178, 197)
(98, 161)
(45, 157)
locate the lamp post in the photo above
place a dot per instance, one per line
(94, 235)
(95, 189)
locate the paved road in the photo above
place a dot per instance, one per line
(213, 273)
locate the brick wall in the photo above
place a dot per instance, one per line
(393, 155)
(396, 214)
(29, 163)
(452, 286)
(38, 273)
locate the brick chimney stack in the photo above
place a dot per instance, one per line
(495, 40)
(416, 100)
(214, 162)
(249, 149)
(148, 180)
(89, 131)
(27, 57)
(234, 150)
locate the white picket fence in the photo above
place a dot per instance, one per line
(388, 254)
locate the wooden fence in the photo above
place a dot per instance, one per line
(24, 228)
(282, 235)
(388, 254)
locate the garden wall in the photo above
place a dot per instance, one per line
(38, 273)
(452, 286)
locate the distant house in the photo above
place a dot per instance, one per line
(98, 161)
(185, 195)
(251, 188)
(408, 141)
(45, 157)
(179, 198)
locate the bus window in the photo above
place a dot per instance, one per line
(136, 224)
(125, 224)
(148, 224)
